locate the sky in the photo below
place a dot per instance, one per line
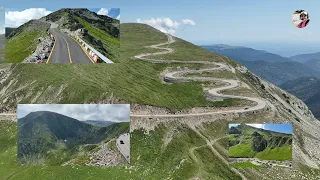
(15, 17)
(82, 112)
(264, 25)
(282, 128)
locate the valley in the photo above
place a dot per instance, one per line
(47, 138)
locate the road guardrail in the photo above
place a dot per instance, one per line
(93, 53)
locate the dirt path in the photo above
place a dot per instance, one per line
(177, 76)
(214, 151)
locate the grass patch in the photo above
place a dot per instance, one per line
(277, 153)
(22, 45)
(188, 52)
(241, 150)
(110, 43)
(217, 74)
(240, 91)
(244, 165)
(2, 55)
(213, 170)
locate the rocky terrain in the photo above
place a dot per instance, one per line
(267, 163)
(108, 155)
(42, 52)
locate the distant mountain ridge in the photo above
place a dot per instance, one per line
(312, 60)
(272, 67)
(305, 57)
(241, 53)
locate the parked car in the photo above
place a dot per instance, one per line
(121, 142)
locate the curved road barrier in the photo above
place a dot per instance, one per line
(97, 53)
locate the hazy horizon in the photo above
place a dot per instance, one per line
(280, 48)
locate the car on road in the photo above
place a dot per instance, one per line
(246, 108)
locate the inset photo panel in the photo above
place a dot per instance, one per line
(67, 35)
(73, 134)
(260, 145)
(300, 18)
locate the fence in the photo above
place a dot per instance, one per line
(93, 53)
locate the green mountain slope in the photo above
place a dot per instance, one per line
(129, 81)
(22, 41)
(246, 141)
(44, 135)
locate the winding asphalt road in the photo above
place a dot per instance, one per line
(124, 148)
(176, 75)
(66, 50)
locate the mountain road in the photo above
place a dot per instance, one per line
(66, 49)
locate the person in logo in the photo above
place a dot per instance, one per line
(304, 17)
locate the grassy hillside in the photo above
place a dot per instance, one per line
(23, 41)
(2, 48)
(247, 142)
(132, 81)
(149, 159)
(110, 45)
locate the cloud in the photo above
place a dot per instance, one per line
(103, 11)
(106, 112)
(17, 18)
(188, 22)
(166, 25)
(261, 126)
